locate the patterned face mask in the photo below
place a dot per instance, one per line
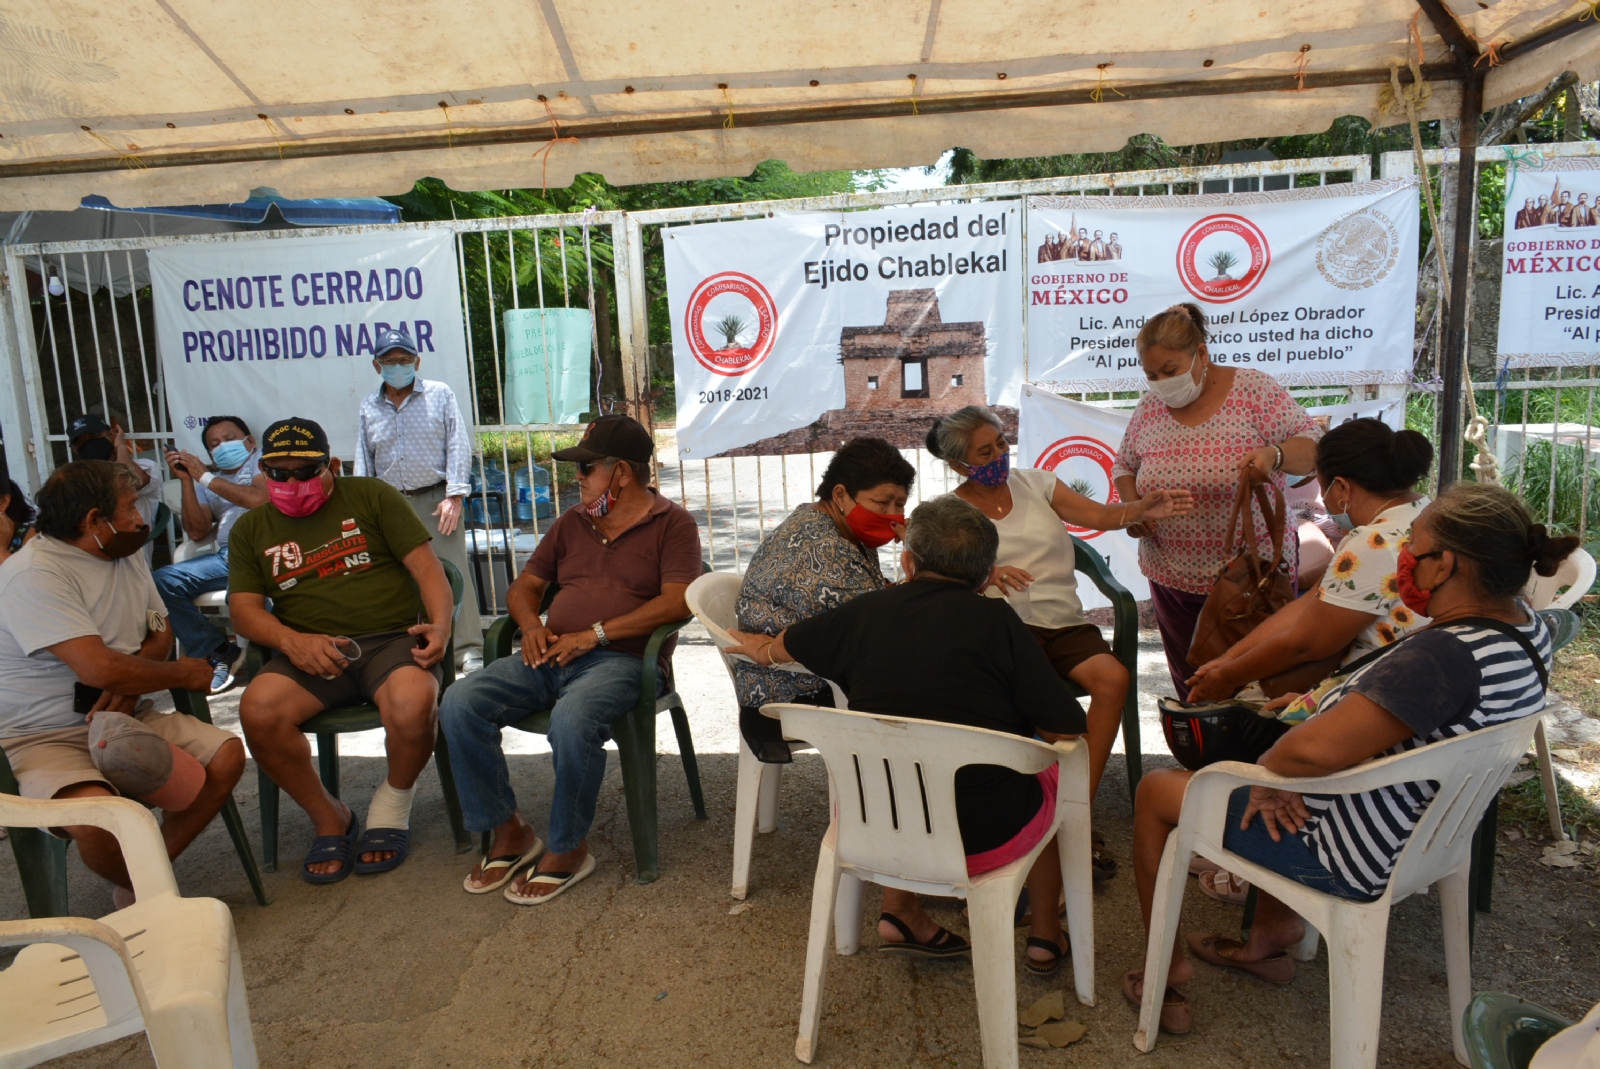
(993, 473)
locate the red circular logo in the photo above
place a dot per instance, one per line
(747, 325)
(1089, 462)
(1222, 257)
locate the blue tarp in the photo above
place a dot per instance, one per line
(327, 212)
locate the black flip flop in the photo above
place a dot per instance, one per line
(944, 944)
(332, 848)
(1058, 950)
(381, 840)
(1102, 865)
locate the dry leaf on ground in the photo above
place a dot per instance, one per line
(1034, 1041)
(1061, 1033)
(1052, 1007)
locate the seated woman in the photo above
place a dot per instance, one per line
(16, 520)
(1030, 508)
(933, 649)
(823, 555)
(1367, 471)
(1473, 666)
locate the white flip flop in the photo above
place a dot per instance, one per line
(508, 866)
(559, 880)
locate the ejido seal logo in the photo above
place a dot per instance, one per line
(731, 323)
(1222, 257)
(1084, 464)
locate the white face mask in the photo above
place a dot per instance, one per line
(1180, 391)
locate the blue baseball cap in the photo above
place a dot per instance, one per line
(393, 338)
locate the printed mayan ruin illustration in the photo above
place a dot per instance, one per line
(897, 377)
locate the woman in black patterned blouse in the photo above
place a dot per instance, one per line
(823, 555)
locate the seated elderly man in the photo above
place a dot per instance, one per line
(83, 631)
(933, 648)
(623, 559)
(212, 504)
(360, 613)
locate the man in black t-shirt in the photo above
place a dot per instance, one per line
(932, 648)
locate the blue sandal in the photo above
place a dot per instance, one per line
(332, 848)
(374, 840)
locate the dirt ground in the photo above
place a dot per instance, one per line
(407, 970)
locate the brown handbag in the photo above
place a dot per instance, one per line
(1248, 589)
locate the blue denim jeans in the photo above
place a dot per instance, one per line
(180, 584)
(585, 698)
(1290, 856)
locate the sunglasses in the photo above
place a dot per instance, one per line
(587, 466)
(299, 475)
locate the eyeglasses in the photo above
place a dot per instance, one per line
(299, 475)
(587, 466)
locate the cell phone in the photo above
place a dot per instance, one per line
(84, 697)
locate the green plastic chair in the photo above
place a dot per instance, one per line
(635, 735)
(329, 724)
(1504, 1031)
(1124, 647)
(42, 858)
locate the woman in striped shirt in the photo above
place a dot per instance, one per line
(1482, 661)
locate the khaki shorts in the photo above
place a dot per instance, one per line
(49, 761)
(1068, 647)
(359, 682)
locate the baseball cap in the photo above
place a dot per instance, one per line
(612, 436)
(393, 338)
(294, 437)
(141, 764)
(85, 425)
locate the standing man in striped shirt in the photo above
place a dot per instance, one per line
(413, 438)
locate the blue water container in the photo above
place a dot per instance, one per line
(530, 496)
(493, 480)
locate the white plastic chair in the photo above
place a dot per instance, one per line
(166, 966)
(894, 824)
(1468, 769)
(712, 598)
(1572, 581)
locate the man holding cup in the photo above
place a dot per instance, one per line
(360, 613)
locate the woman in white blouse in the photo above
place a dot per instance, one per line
(1035, 567)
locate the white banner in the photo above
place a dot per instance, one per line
(1550, 274)
(1079, 443)
(1313, 286)
(265, 330)
(869, 322)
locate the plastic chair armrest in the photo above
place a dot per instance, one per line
(104, 955)
(136, 831)
(652, 654)
(498, 639)
(1125, 633)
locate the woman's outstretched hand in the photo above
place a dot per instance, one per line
(1163, 505)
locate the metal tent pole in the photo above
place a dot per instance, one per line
(1455, 333)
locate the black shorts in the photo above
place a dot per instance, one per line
(1068, 647)
(358, 684)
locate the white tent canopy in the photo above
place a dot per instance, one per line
(189, 101)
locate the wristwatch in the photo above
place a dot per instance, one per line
(600, 633)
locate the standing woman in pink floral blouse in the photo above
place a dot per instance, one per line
(1198, 428)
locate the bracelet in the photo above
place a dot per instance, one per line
(206, 479)
(1279, 465)
(1123, 522)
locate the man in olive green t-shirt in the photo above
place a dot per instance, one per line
(361, 612)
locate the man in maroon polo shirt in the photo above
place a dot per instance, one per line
(622, 558)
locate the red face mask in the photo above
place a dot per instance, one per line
(298, 498)
(1405, 581)
(874, 528)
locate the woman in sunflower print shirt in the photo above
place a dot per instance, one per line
(1366, 471)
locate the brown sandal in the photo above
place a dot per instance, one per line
(1220, 950)
(1175, 1017)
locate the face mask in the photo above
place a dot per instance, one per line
(1180, 391)
(97, 449)
(398, 375)
(123, 543)
(1405, 581)
(874, 529)
(1343, 519)
(993, 473)
(602, 504)
(230, 456)
(296, 498)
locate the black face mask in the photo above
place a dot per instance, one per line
(124, 543)
(97, 449)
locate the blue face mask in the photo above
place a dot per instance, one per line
(1343, 519)
(398, 375)
(993, 473)
(230, 456)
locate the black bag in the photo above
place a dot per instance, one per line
(1207, 732)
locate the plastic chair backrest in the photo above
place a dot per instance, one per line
(136, 832)
(1576, 575)
(713, 598)
(894, 779)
